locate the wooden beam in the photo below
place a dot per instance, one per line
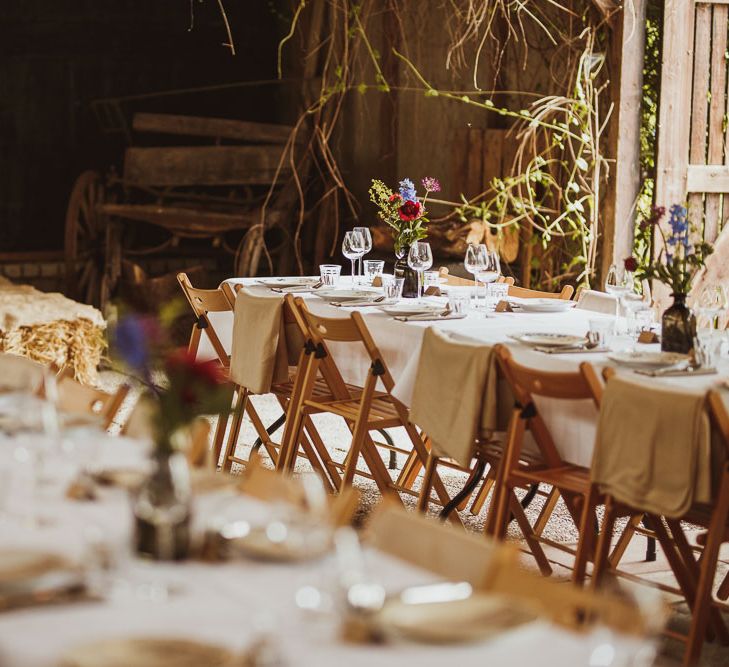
(712, 179)
(217, 128)
(628, 55)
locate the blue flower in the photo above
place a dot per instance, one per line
(131, 342)
(407, 190)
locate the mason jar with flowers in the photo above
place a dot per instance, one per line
(405, 213)
(676, 265)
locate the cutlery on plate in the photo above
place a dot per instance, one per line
(297, 289)
(578, 349)
(355, 304)
(686, 371)
(431, 317)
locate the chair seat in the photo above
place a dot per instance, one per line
(568, 478)
(382, 411)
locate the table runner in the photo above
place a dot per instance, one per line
(653, 447)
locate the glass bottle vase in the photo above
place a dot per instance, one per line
(679, 326)
(402, 270)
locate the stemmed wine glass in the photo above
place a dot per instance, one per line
(367, 236)
(420, 258)
(711, 304)
(618, 282)
(635, 301)
(353, 247)
(490, 271)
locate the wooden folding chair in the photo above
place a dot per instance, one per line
(455, 281)
(695, 576)
(312, 446)
(523, 293)
(363, 409)
(75, 398)
(571, 481)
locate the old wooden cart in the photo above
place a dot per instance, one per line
(231, 187)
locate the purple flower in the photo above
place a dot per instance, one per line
(131, 340)
(407, 190)
(431, 184)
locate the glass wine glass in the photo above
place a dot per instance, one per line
(711, 304)
(367, 236)
(617, 283)
(490, 271)
(637, 305)
(420, 258)
(353, 248)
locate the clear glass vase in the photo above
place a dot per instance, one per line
(162, 508)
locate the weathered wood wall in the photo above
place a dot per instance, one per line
(55, 57)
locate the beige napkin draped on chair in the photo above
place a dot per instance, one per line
(455, 397)
(598, 302)
(653, 448)
(263, 345)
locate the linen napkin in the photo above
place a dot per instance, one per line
(598, 302)
(653, 448)
(455, 394)
(259, 355)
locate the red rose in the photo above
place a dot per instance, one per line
(182, 361)
(631, 264)
(410, 210)
(395, 197)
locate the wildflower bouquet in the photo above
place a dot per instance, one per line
(679, 259)
(402, 210)
(179, 388)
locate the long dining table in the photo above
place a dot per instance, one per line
(230, 604)
(571, 423)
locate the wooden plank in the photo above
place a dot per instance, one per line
(202, 165)
(708, 178)
(717, 107)
(217, 128)
(474, 166)
(623, 137)
(700, 106)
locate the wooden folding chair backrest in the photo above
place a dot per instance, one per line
(455, 281)
(75, 398)
(525, 383)
(440, 548)
(523, 293)
(202, 302)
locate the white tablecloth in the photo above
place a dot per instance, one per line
(572, 423)
(230, 603)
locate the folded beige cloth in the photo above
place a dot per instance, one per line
(455, 396)
(598, 302)
(263, 345)
(653, 448)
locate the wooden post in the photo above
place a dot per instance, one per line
(628, 54)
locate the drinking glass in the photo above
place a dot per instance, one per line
(329, 274)
(489, 272)
(367, 237)
(430, 279)
(497, 292)
(711, 304)
(459, 300)
(618, 282)
(353, 248)
(393, 288)
(420, 258)
(373, 268)
(635, 302)
(707, 347)
(598, 332)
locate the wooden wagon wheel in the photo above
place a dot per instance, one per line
(85, 241)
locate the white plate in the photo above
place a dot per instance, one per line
(549, 339)
(412, 308)
(544, 305)
(346, 294)
(640, 359)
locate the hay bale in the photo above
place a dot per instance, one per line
(51, 329)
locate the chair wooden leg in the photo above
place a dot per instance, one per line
(410, 471)
(323, 452)
(529, 535)
(586, 537)
(262, 433)
(704, 604)
(547, 510)
(221, 427)
(483, 492)
(624, 540)
(602, 562)
(427, 486)
(236, 418)
(723, 591)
